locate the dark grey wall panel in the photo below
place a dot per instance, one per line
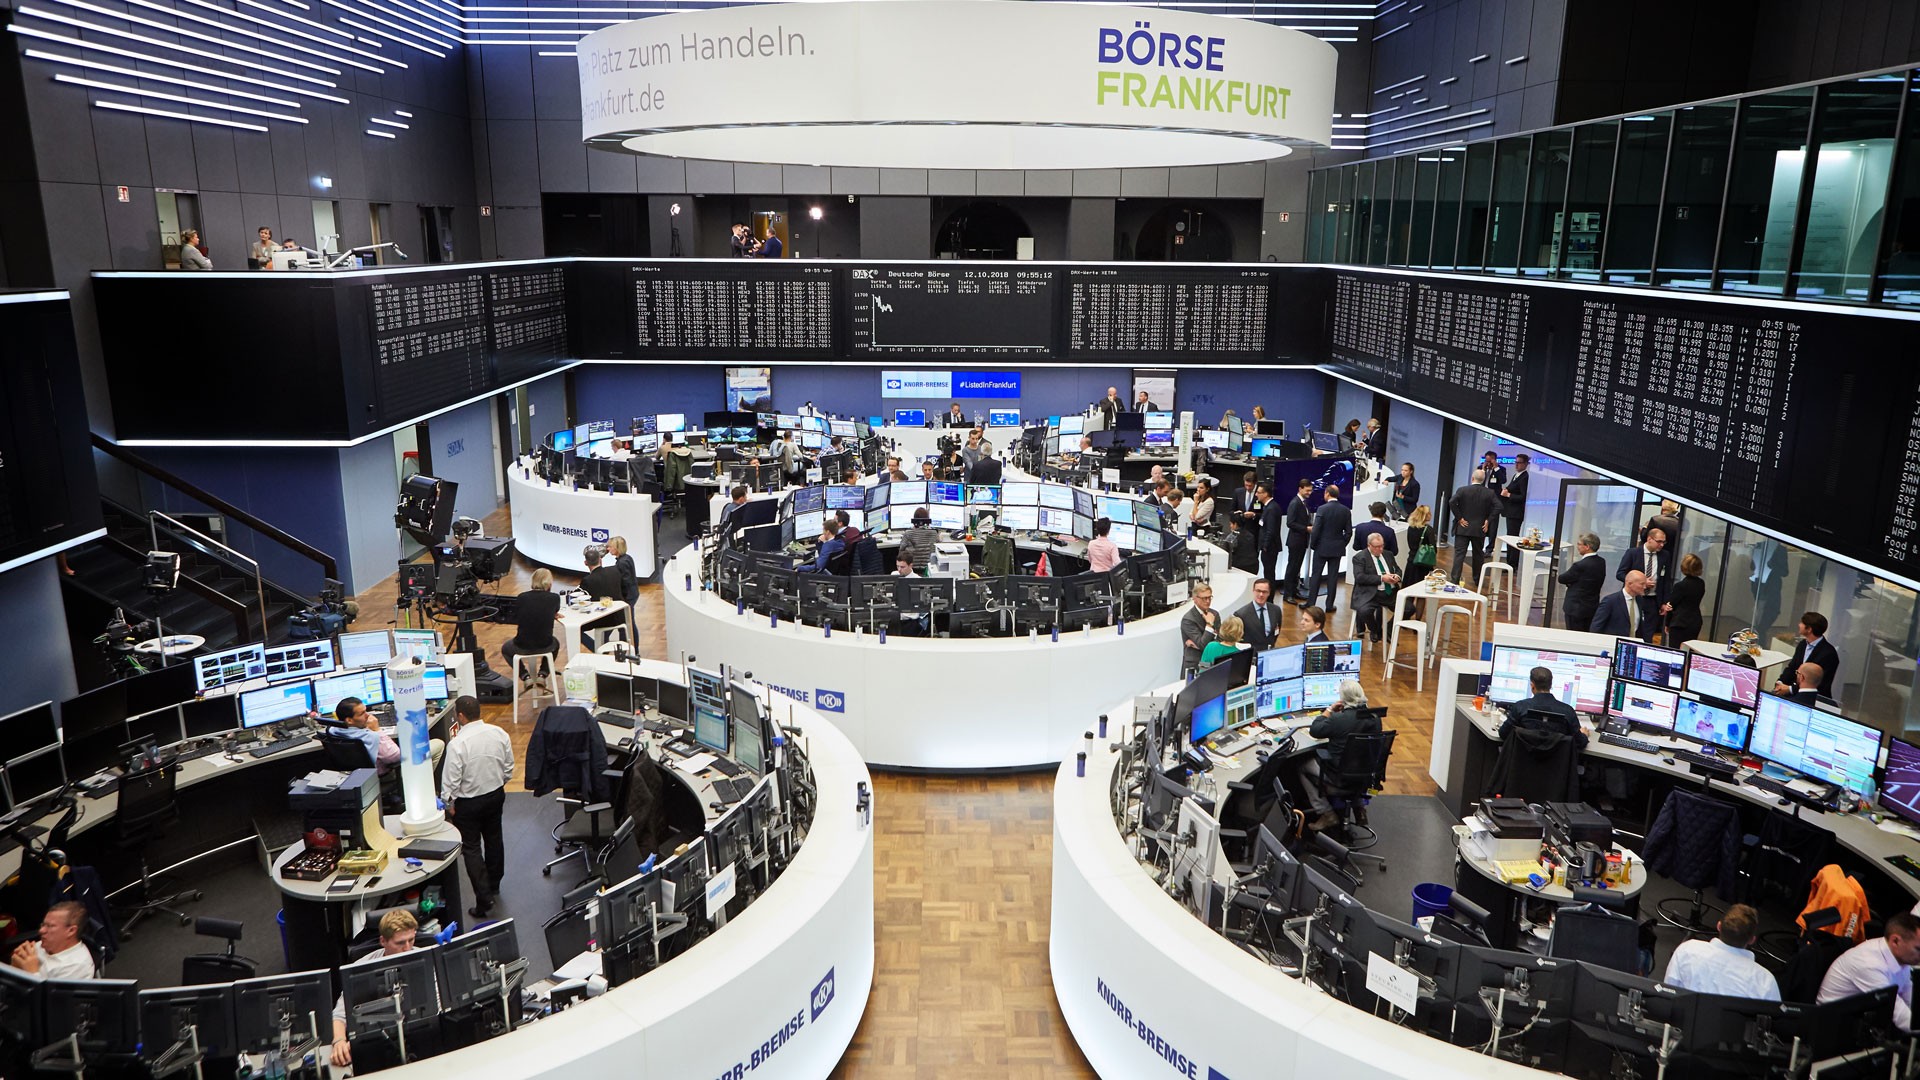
(133, 230)
(258, 210)
(120, 146)
(224, 227)
(62, 137)
(482, 163)
(170, 154)
(1055, 183)
(253, 151)
(710, 177)
(509, 83)
(608, 171)
(289, 145)
(1090, 229)
(556, 87)
(895, 227)
(215, 166)
(563, 160)
(515, 157)
(296, 220)
(659, 174)
(517, 232)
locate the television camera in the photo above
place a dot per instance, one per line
(117, 641)
(330, 614)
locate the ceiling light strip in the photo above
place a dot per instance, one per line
(115, 69)
(432, 17)
(176, 115)
(76, 43)
(390, 123)
(1390, 33)
(256, 35)
(344, 21)
(1398, 85)
(403, 112)
(1435, 120)
(323, 27)
(382, 134)
(1431, 134)
(82, 5)
(370, 11)
(82, 24)
(332, 42)
(182, 99)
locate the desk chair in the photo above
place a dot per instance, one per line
(147, 807)
(1539, 762)
(1351, 781)
(346, 754)
(996, 555)
(588, 826)
(568, 934)
(206, 968)
(1695, 841)
(1587, 930)
(1818, 948)
(1418, 628)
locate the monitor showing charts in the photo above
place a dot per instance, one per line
(842, 428)
(1055, 520)
(1900, 787)
(1816, 744)
(1279, 663)
(907, 492)
(1157, 438)
(1332, 658)
(947, 515)
(910, 417)
(846, 497)
(1024, 519)
(300, 658)
(1125, 537)
(1645, 706)
(1327, 441)
(1020, 493)
(1650, 664)
(1072, 425)
(228, 667)
(1320, 691)
(806, 500)
(808, 524)
(1116, 508)
(273, 704)
(1722, 680)
(1158, 421)
(1214, 439)
(1058, 496)
(421, 644)
(952, 493)
(1579, 679)
(1706, 722)
(370, 648)
(1149, 539)
(369, 686)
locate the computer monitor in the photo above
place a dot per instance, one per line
(270, 705)
(420, 644)
(1072, 425)
(1900, 784)
(626, 908)
(1056, 496)
(229, 666)
(300, 658)
(168, 1016)
(411, 974)
(562, 439)
(1213, 439)
(1435, 959)
(1332, 658)
(104, 1013)
(846, 497)
(1649, 664)
(1208, 717)
(30, 779)
(471, 965)
(1157, 438)
(1579, 679)
(983, 494)
(1817, 744)
(208, 716)
(297, 1006)
(910, 417)
(1020, 493)
(1712, 724)
(1024, 519)
(750, 742)
(673, 700)
(709, 715)
(30, 731)
(160, 728)
(1279, 663)
(1723, 680)
(158, 689)
(1642, 706)
(1535, 1006)
(1327, 441)
(1618, 1016)
(369, 648)
(19, 1007)
(670, 422)
(1747, 1035)
(1320, 691)
(920, 595)
(1004, 418)
(1274, 448)
(1057, 521)
(1129, 421)
(613, 690)
(369, 685)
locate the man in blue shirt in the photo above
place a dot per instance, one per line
(1724, 965)
(830, 545)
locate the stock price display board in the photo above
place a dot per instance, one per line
(48, 496)
(1459, 348)
(429, 341)
(754, 310)
(527, 321)
(1156, 315)
(959, 309)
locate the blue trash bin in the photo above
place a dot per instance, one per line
(286, 953)
(1430, 899)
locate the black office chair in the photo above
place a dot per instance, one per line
(1589, 930)
(206, 968)
(840, 564)
(589, 826)
(1694, 840)
(568, 934)
(147, 807)
(346, 753)
(1539, 762)
(1819, 947)
(1351, 781)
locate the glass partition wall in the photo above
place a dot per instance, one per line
(1811, 192)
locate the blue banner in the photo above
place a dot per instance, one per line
(986, 384)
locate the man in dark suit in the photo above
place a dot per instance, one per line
(1141, 403)
(1652, 559)
(1496, 473)
(1332, 530)
(1629, 613)
(1246, 505)
(1814, 648)
(1583, 578)
(955, 418)
(1513, 501)
(1476, 511)
(1260, 616)
(1111, 406)
(1544, 707)
(987, 469)
(1200, 625)
(1271, 533)
(1313, 623)
(1375, 576)
(1376, 436)
(1378, 525)
(1299, 525)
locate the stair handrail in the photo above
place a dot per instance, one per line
(328, 567)
(242, 631)
(155, 517)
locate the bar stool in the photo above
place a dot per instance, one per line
(1443, 623)
(604, 634)
(527, 665)
(1419, 629)
(1496, 568)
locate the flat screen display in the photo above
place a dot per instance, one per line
(208, 716)
(300, 658)
(950, 492)
(1149, 539)
(1280, 698)
(1708, 723)
(562, 439)
(749, 747)
(1723, 680)
(910, 417)
(1900, 787)
(1320, 691)
(1116, 507)
(1159, 421)
(1069, 425)
(371, 648)
(1642, 705)
(275, 703)
(846, 497)
(1650, 664)
(1213, 440)
(1147, 515)
(1024, 519)
(231, 666)
(842, 428)
(670, 422)
(420, 644)
(1208, 717)
(370, 686)
(1020, 493)
(1083, 502)
(983, 494)
(809, 524)
(1125, 537)
(808, 499)
(1157, 438)
(1579, 679)
(908, 491)
(1058, 496)
(1056, 521)
(1004, 418)
(1280, 662)
(947, 515)
(1816, 744)
(35, 777)
(1332, 658)
(29, 731)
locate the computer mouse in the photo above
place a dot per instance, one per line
(1781, 801)
(1667, 758)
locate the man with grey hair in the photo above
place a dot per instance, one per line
(1583, 578)
(602, 583)
(1629, 613)
(1476, 513)
(1348, 717)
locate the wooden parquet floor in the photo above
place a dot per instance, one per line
(962, 887)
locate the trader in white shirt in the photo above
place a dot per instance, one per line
(59, 954)
(1878, 962)
(474, 784)
(1724, 965)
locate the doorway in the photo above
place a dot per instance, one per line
(436, 233)
(179, 212)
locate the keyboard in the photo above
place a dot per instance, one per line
(1906, 863)
(1768, 783)
(726, 767)
(198, 752)
(614, 719)
(273, 748)
(1240, 743)
(1642, 745)
(1711, 762)
(732, 791)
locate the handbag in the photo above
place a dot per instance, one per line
(1426, 554)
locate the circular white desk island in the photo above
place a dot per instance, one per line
(777, 991)
(553, 523)
(942, 703)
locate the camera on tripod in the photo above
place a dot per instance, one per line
(329, 615)
(947, 444)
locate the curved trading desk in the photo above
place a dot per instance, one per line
(942, 703)
(1148, 988)
(778, 990)
(919, 443)
(553, 523)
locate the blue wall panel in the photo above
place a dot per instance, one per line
(373, 544)
(297, 490)
(33, 623)
(462, 442)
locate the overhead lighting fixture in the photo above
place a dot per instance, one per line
(115, 69)
(388, 123)
(382, 134)
(76, 43)
(177, 116)
(81, 5)
(182, 99)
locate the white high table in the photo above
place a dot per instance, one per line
(797, 963)
(1142, 982)
(942, 703)
(553, 524)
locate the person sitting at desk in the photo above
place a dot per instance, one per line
(848, 534)
(1086, 447)
(398, 928)
(1228, 643)
(1878, 962)
(1102, 553)
(1807, 686)
(733, 514)
(1313, 623)
(1350, 716)
(534, 614)
(601, 583)
(1543, 706)
(1724, 965)
(1199, 626)
(1629, 612)
(955, 418)
(383, 748)
(59, 954)
(987, 469)
(830, 545)
(903, 566)
(917, 546)
(1815, 648)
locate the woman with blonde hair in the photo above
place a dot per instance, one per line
(1228, 643)
(1422, 544)
(535, 613)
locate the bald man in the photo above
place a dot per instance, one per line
(1807, 685)
(1629, 613)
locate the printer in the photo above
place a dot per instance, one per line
(349, 808)
(1578, 838)
(1514, 829)
(949, 560)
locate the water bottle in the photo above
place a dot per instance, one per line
(740, 606)
(826, 628)
(689, 582)
(773, 620)
(1080, 764)
(1103, 725)
(1056, 633)
(883, 633)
